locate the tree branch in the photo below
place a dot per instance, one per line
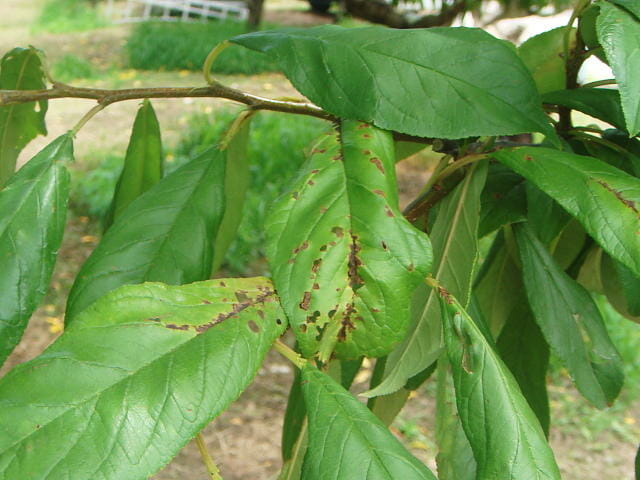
(379, 11)
(216, 90)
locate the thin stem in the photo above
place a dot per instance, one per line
(212, 468)
(87, 116)
(289, 354)
(580, 5)
(208, 63)
(216, 90)
(442, 164)
(234, 128)
(458, 164)
(586, 129)
(601, 141)
(599, 83)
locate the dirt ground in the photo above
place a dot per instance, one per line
(245, 439)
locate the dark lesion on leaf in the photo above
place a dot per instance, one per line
(338, 231)
(378, 163)
(388, 211)
(303, 246)
(245, 302)
(347, 324)
(628, 203)
(355, 281)
(306, 300)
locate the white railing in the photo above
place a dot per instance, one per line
(175, 10)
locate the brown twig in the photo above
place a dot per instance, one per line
(216, 90)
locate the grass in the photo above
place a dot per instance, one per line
(184, 46)
(276, 150)
(70, 67)
(62, 16)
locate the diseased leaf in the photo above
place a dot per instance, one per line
(542, 54)
(356, 74)
(604, 199)
(601, 103)
(136, 376)
(166, 234)
(236, 183)
(570, 322)
(503, 431)
(619, 35)
(33, 211)
(142, 163)
(346, 440)
(526, 353)
(20, 69)
(343, 258)
(503, 199)
(454, 237)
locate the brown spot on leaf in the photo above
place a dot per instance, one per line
(388, 211)
(311, 183)
(323, 209)
(384, 245)
(378, 163)
(303, 328)
(318, 150)
(528, 158)
(241, 295)
(338, 231)
(354, 262)
(316, 286)
(260, 313)
(323, 248)
(366, 135)
(347, 324)
(153, 319)
(206, 302)
(335, 158)
(380, 193)
(629, 203)
(304, 246)
(315, 170)
(173, 326)
(278, 321)
(367, 152)
(222, 284)
(306, 300)
(363, 125)
(253, 326)
(316, 265)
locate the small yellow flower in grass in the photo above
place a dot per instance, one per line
(88, 239)
(55, 324)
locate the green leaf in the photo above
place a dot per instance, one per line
(454, 237)
(343, 258)
(236, 183)
(165, 235)
(525, 351)
(33, 210)
(619, 35)
(503, 431)
(142, 163)
(570, 322)
(604, 199)
(601, 103)
(346, 440)
(498, 289)
(455, 458)
(542, 55)
(503, 199)
(20, 69)
(632, 5)
(135, 377)
(409, 81)
(621, 287)
(545, 216)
